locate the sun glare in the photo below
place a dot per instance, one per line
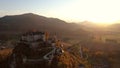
(98, 11)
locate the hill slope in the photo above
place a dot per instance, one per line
(29, 21)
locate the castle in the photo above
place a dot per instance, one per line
(34, 39)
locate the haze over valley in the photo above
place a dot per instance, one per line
(59, 34)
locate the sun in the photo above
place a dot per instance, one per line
(98, 11)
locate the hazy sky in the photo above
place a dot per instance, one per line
(104, 11)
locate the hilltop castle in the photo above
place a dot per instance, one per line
(36, 38)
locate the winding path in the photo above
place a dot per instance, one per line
(50, 55)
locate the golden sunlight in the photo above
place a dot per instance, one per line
(99, 11)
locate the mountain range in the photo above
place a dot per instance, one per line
(27, 22)
(30, 21)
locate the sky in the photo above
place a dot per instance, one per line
(99, 11)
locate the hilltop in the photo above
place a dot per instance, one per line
(42, 51)
(29, 21)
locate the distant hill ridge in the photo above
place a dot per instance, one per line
(30, 21)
